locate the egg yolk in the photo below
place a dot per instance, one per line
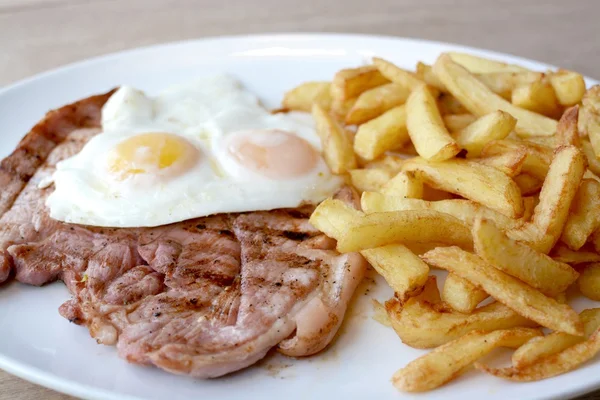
(273, 153)
(151, 153)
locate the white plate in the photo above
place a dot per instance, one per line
(40, 346)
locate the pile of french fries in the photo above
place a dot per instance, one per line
(486, 170)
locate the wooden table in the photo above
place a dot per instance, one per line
(36, 35)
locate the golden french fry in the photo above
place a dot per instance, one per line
(396, 74)
(521, 261)
(537, 96)
(426, 128)
(480, 65)
(388, 162)
(374, 102)
(582, 256)
(504, 82)
(332, 217)
(494, 126)
(583, 218)
(379, 313)
(528, 184)
(404, 185)
(337, 146)
(510, 291)
(567, 133)
(593, 161)
(538, 158)
(456, 122)
(449, 105)
(371, 179)
(380, 229)
(302, 97)
(589, 117)
(425, 73)
(340, 108)
(480, 100)
(461, 295)
(451, 359)
(386, 132)
(539, 348)
(473, 181)
(351, 82)
(589, 281)
(569, 87)
(401, 268)
(547, 141)
(511, 163)
(556, 364)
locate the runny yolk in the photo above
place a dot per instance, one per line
(151, 153)
(273, 153)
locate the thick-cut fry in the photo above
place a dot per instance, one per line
(448, 105)
(584, 216)
(480, 100)
(456, 122)
(302, 97)
(476, 64)
(337, 147)
(396, 74)
(426, 128)
(465, 210)
(589, 282)
(537, 96)
(590, 117)
(386, 132)
(521, 261)
(503, 83)
(564, 254)
(567, 133)
(511, 163)
(340, 108)
(553, 365)
(379, 229)
(538, 348)
(593, 161)
(401, 268)
(404, 185)
(332, 217)
(494, 126)
(371, 179)
(569, 87)
(473, 181)
(425, 73)
(528, 184)
(538, 157)
(376, 101)
(351, 82)
(388, 162)
(522, 298)
(462, 295)
(450, 360)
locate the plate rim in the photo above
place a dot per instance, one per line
(55, 382)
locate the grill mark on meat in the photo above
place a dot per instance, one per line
(203, 297)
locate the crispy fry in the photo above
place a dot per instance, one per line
(351, 82)
(567, 133)
(569, 87)
(480, 100)
(510, 291)
(379, 313)
(302, 97)
(396, 74)
(589, 282)
(388, 162)
(473, 181)
(369, 179)
(590, 117)
(476, 64)
(404, 185)
(376, 101)
(521, 261)
(583, 218)
(537, 96)
(426, 128)
(528, 184)
(456, 122)
(449, 105)
(340, 108)
(425, 73)
(337, 147)
(582, 256)
(538, 157)
(462, 295)
(511, 163)
(593, 161)
(494, 126)
(504, 82)
(386, 132)
(332, 217)
(451, 359)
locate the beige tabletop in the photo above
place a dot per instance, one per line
(36, 35)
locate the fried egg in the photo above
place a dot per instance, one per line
(198, 149)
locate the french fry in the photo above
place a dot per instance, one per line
(504, 82)
(539, 348)
(351, 82)
(567, 133)
(337, 147)
(404, 271)
(589, 282)
(386, 132)
(589, 117)
(510, 291)
(333, 216)
(379, 313)
(511, 163)
(547, 141)
(583, 218)
(451, 359)
(404, 185)
(374, 102)
(473, 181)
(372, 179)
(461, 295)
(456, 122)
(340, 108)
(537, 96)
(493, 126)
(582, 256)
(480, 100)
(380, 229)
(449, 105)
(538, 157)
(521, 261)
(569, 87)
(528, 184)
(476, 64)
(425, 73)
(593, 161)
(465, 210)
(396, 74)
(426, 128)
(302, 97)
(388, 162)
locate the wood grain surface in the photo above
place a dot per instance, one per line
(36, 35)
